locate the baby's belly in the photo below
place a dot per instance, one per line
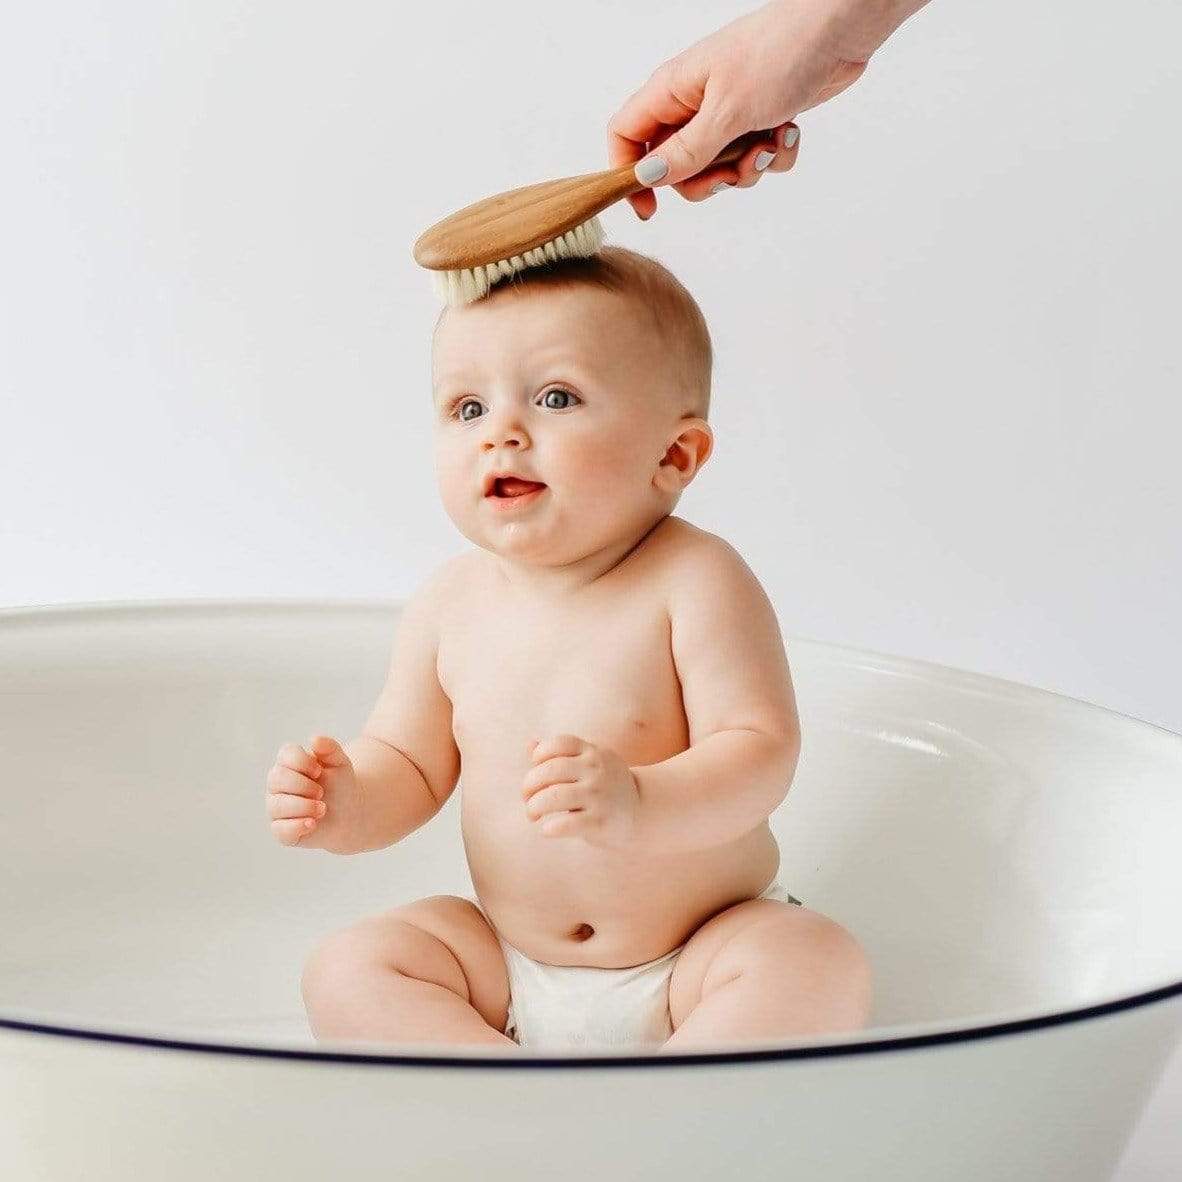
(563, 901)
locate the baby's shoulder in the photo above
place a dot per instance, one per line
(689, 557)
(440, 588)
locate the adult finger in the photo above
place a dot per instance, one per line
(646, 117)
(788, 146)
(742, 173)
(691, 148)
(746, 171)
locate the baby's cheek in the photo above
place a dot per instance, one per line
(449, 477)
(597, 467)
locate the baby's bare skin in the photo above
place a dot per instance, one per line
(613, 682)
(596, 664)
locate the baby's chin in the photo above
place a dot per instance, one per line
(534, 541)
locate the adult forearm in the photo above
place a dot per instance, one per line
(392, 801)
(714, 792)
(856, 28)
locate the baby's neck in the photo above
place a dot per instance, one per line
(559, 581)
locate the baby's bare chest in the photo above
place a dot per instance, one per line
(603, 671)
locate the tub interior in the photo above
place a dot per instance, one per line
(1000, 851)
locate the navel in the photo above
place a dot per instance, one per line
(583, 932)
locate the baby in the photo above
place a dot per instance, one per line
(613, 682)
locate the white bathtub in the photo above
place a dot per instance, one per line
(1008, 857)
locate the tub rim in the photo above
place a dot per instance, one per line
(852, 1045)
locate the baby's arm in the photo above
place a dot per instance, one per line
(404, 765)
(744, 731)
(406, 756)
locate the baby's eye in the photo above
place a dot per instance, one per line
(562, 394)
(459, 411)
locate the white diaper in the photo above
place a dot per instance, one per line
(556, 1006)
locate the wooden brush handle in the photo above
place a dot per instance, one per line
(511, 223)
(732, 151)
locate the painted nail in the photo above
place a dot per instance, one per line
(763, 160)
(650, 170)
(719, 186)
(791, 135)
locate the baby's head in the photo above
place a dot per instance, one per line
(590, 376)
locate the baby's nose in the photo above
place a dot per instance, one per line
(500, 436)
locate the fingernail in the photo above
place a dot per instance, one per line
(650, 169)
(321, 808)
(763, 160)
(718, 188)
(791, 135)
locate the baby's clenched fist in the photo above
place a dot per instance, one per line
(580, 789)
(302, 786)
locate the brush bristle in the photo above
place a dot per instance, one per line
(474, 283)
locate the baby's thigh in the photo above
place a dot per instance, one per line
(759, 937)
(443, 939)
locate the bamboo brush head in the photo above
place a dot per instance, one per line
(473, 248)
(466, 284)
(494, 239)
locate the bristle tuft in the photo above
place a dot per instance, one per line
(473, 283)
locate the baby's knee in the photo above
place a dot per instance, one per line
(847, 972)
(335, 959)
(343, 956)
(392, 943)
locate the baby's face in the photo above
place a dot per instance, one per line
(567, 387)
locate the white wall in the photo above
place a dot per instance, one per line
(947, 373)
(947, 397)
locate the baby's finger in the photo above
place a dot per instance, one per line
(560, 770)
(295, 757)
(329, 751)
(557, 798)
(556, 745)
(283, 779)
(282, 805)
(564, 824)
(290, 832)
(788, 139)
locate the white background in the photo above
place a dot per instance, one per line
(947, 387)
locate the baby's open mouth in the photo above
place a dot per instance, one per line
(511, 486)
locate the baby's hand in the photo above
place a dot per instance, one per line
(578, 789)
(302, 786)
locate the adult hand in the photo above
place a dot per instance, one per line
(755, 74)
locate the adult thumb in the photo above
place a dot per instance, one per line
(689, 149)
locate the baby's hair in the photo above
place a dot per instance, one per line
(650, 285)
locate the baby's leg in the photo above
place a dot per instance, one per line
(431, 971)
(763, 969)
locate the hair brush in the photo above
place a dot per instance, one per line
(473, 248)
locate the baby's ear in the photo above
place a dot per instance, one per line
(685, 455)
